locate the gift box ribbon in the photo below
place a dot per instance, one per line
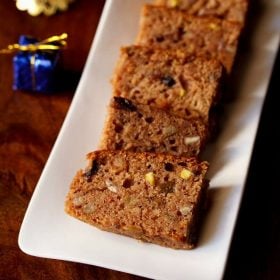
(52, 43)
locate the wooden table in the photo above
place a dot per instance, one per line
(29, 124)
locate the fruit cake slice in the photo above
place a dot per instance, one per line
(168, 79)
(153, 197)
(141, 129)
(207, 36)
(231, 10)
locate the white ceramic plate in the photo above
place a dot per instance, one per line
(48, 232)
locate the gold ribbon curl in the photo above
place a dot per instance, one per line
(52, 43)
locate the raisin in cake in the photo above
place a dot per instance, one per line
(140, 128)
(207, 36)
(168, 79)
(152, 197)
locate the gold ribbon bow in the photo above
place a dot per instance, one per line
(50, 44)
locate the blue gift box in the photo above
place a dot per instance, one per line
(34, 70)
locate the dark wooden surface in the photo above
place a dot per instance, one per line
(29, 124)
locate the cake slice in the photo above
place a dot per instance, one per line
(173, 80)
(231, 10)
(152, 197)
(206, 36)
(141, 128)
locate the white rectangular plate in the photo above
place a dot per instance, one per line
(48, 232)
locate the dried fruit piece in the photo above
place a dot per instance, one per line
(168, 81)
(150, 178)
(111, 187)
(127, 183)
(124, 104)
(169, 166)
(185, 174)
(182, 92)
(191, 139)
(160, 38)
(92, 171)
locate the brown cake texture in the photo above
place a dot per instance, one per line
(152, 197)
(231, 10)
(140, 128)
(203, 36)
(173, 80)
